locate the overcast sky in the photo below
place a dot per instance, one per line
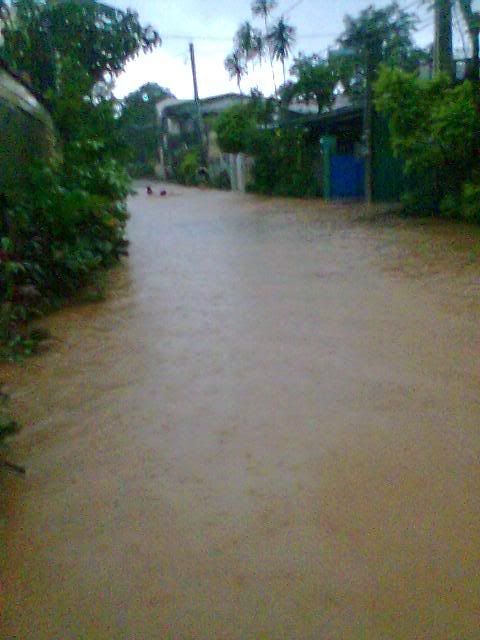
(211, 24)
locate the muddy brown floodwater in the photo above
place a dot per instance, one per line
(269, 430)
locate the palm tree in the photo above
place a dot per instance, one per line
(236, 67)
(249, 42)
(281, 38)
(262, 9)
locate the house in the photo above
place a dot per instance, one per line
(340, 136)
(181, 128)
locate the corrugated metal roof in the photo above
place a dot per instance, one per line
(16, 94)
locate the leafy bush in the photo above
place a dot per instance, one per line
(284, 163)
(234, 128)
(138, 127)
(434, 129)
(284, 158)
(56, 237)
(141, 170)
(222, 181)
(69, 223)
(466, 205)
(188, 167)
(68, 220)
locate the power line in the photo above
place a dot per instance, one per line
(292, 7)
(189, 38)
(425, 27)
(305, 36)
(410, 5)
(426, 22)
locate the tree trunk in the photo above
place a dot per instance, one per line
(270, 55)
(273, 75)
(442, 49)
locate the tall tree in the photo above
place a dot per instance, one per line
(315, 80)
(138, 122)
(249, 42)
(281, 38)
(263, 9)
(381, 36)
(71, 50)
(374, 37)
(39, 37)
(236, 67)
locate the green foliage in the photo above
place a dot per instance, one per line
(68, 221)
(315, 80)
(222, 181)
(382, 34)
(188, 167)
(465, 205)
(434, 129)
(284, 163)
(263, 8)
(235, 66)
(281, 38)
(138, 127)
(96, 38)
(284, 157)
(375, 37)
(251, 45)
(141, 170)
(59, 234)
(237, 126)
(234, 128)
(249, 42)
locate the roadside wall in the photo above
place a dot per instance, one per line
(26, 134)
(239, 168)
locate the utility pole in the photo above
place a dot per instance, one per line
(472, 20)
(442, 48)
(197, 106)
(368, 124)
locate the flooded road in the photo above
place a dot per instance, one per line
(269, 430)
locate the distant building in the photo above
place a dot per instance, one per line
(179, 129)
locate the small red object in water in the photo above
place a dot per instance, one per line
(163, 192)
(149, 191)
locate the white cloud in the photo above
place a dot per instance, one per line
(211, 25)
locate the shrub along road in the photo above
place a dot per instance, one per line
(268, 430)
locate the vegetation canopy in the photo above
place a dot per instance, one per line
(68, 218)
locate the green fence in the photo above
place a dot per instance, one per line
(388, 181)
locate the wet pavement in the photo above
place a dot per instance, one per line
(269, 430)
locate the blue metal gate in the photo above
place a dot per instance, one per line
(347, 176)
